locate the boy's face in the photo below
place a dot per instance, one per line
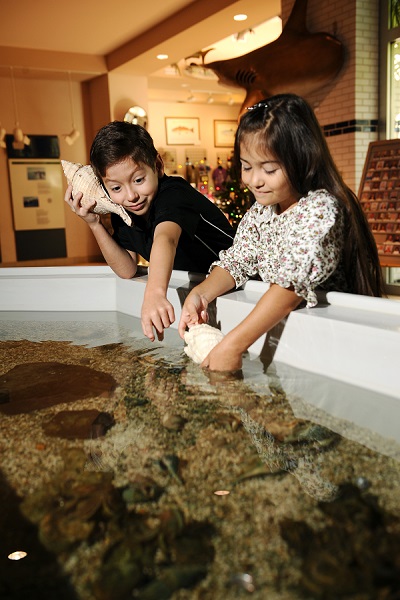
(132, 185)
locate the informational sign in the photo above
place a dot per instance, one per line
(37, 190)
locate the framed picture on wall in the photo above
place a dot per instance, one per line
(182, 131)
(224, 133)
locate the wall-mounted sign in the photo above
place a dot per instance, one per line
(37, 194)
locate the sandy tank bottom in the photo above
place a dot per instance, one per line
(138, 475)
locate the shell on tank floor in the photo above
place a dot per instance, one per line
(83, 179)
(200, 340)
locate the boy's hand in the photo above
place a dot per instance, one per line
(157, 313)
(194, 312)
(82, 211)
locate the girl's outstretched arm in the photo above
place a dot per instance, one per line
(194, 310)
(274, 305)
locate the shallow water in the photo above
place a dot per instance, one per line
(277, 485)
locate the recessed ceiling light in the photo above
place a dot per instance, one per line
(162, 56)
(240, 17)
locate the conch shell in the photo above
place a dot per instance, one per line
(200, 340)
(83, 179)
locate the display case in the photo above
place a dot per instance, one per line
(379, 194)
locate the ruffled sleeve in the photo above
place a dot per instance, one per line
(240, 260)
(312, 247)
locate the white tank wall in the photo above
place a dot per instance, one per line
(349, 338)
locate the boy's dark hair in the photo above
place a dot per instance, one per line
(286, 127)
(119, 140)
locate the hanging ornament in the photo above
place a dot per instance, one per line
(20, 139)
(74, 134)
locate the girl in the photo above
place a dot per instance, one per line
(305, 230)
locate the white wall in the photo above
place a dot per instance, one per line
(126, 91)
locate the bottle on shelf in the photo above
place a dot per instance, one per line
(202, 181)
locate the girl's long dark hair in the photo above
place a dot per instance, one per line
(286, 127)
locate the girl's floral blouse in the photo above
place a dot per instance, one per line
(302, 247)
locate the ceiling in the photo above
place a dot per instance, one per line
(44, 39)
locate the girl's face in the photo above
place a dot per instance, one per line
(266, 178)
(132, 185)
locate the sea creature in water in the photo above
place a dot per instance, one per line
(144, 553)
(83, 179)
(278, 457)
(346, 557)
(200, 340)
(38, 385)
(78, 424)
(297, 62)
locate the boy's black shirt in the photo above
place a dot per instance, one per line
(205, 229)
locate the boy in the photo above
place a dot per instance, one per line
(173, 225)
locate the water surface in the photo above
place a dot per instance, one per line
(278, 484)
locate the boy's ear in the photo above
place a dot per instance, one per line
(159, 166)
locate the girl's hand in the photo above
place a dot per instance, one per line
(224, 357)
(194, 312)
(82, 211)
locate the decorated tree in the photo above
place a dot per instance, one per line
(234, 198)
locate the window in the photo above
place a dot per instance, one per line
(393, 124)
(389, 69)
(394, 13)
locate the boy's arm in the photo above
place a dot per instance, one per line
(122, 262)
(157, 311)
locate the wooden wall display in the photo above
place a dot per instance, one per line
(379, 194)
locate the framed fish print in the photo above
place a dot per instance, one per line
(224, 133)
(182, 131)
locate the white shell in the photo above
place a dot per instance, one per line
(200, 340)
(83, 179)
